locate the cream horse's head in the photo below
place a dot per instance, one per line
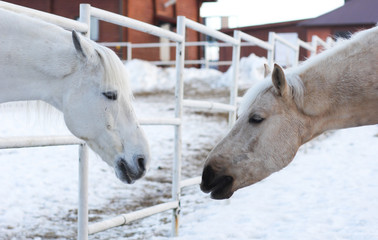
(264, 139)
(97, 108)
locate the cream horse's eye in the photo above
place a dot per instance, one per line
(255, 118)
(111, 95)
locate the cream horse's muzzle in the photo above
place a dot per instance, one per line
(219, 185)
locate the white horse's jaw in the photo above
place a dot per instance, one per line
(129, 164)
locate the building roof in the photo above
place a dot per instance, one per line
(354, 12)
(263, 26)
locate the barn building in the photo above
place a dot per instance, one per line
(161, 13)
(353, 16)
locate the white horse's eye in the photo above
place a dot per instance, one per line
(112, 95)
(255, 118)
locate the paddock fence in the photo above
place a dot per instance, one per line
(179, 42)
(205, 62)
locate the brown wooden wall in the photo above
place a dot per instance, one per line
(148, 11)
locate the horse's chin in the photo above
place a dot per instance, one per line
(124, 176)
(220, 195)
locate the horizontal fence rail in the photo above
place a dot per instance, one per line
(255, 41)
(135, 24)
(210, 32)
(42, 141)
(55, 19)
(129, 217)
(48, 141)
(209, 106)
(160, 121)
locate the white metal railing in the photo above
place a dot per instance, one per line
(307, 46)
(45, 141)
(317, 41)
(86, 11)
(58, 20)
(205, 62)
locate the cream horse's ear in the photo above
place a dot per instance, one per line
(267, 70)
(279, 81)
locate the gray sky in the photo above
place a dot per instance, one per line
(255, 12)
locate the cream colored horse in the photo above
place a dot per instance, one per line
(336, 89)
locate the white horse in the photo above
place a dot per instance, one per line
(87, 82)
(336, 89)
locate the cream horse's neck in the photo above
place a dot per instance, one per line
(341, 88)
(30, 77)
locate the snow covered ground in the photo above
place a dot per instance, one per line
(329, 191)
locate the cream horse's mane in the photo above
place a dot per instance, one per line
(293, 81)
(292, 75)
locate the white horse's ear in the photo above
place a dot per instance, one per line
(279, 80)
(267, 70)
(84, 48)
(77, 43)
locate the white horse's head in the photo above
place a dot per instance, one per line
(97, 108)
(263, 140)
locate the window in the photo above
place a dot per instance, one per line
(284, 55)
(342, 34)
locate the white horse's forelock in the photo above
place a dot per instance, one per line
(116, 77)
(293, 81)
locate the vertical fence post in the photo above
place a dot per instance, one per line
(314, 44)
(235, 78)
(129, 51)
(206, 46)
(179, 92)
(296, 53)
(82, 232)
(85, 17)
(272, 42)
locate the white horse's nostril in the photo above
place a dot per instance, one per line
(140, 159)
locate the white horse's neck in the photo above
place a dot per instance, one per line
(36, 57)
(342, 87)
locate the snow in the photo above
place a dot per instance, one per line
(146, 77)
(329, 191)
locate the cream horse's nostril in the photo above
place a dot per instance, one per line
(208, 176)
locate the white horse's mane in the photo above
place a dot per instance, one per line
(115, 72)
(292, 75)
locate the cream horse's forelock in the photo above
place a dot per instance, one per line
(294, 82)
